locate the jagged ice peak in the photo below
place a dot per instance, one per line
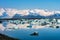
(41, 12)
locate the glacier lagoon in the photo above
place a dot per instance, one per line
(45, 33)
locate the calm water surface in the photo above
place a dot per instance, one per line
(44, 34)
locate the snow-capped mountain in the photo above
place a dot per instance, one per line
(4, 15)
(28, 13)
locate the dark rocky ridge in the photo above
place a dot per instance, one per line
(4, 37)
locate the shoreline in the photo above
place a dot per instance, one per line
(5, 37)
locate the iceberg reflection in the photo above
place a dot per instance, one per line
(29, 23)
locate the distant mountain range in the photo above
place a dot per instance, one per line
(37, 16)
(37, 13)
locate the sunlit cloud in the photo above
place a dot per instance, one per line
(11, 12)
(57, 12)
(44, 13)
(23, 12)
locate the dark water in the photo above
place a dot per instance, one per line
(44, 34)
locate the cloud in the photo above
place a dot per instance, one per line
(23, 12)
(57, 12)
(11, 12)
(44, 13)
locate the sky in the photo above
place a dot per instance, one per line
(31, 4)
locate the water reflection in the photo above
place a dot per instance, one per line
(43, 34)
(21, 29)
(30, 23)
